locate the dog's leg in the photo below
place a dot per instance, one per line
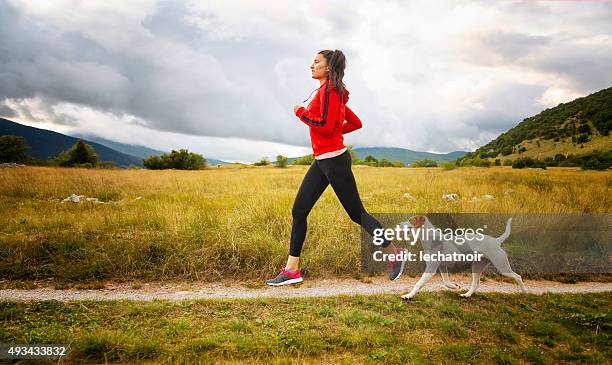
(477, 269)
(517, 278)
(501, 263)
(430, 271)
(445, 280)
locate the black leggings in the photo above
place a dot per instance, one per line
(337, 171)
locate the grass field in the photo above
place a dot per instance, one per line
(435, 328)
(232, 221)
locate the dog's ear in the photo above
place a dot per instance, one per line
(417, 220)
(412, 220)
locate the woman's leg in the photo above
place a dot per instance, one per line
(313, 185)
(339, 173)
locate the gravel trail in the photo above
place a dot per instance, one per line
(149, 291)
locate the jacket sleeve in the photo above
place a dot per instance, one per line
(325, 119)
(352, 121)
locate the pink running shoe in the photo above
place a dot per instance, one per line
(285, 277)
(396, 267)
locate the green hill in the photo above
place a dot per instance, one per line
(577, 127)
(46, 144)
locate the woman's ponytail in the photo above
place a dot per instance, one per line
(336, 63)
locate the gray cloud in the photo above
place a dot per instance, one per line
(585, 65)
(506, 47)
(167, 83)
(6, 111)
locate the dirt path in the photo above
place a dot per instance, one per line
(309, 288)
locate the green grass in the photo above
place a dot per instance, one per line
(434, 328)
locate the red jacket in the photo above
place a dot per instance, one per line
(325, 116)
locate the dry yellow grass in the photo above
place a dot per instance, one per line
(236, 221)
(549, 148)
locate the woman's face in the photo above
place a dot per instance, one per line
(319, 67)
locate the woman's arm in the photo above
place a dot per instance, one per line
(352, 121)
(330, 107)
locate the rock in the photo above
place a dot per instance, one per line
(408, 196)
(74, 198)
(450, 196)
(10, 165)
(484, 197)
(78, 198)
(509, 191)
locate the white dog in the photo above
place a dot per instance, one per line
(488, 246)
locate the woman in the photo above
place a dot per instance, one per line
(332, 164)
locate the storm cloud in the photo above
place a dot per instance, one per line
(428, 76)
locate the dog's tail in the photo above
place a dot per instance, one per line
(505, 235)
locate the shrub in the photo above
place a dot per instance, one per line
(539, 182)
(582, 138)
(584, 128)
(304, 160)
(597, 161)
(449, 165)
(281, 161)
(263, 162)
(426, 162)
(387, 163)
(475, 161)
(180, 160)
(523, 162)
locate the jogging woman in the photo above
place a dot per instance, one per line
(325, 118)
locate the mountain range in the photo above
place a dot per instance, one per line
(45, 144)
(577, 127)
(401, 154)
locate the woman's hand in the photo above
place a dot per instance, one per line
(295, 108)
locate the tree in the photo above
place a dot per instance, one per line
(371, 160)
(13, 149)
(304, 160)
(80, 153)
(263, 162)
(180, 160)
(584, 128)
(281, 161)
(153, 163)
(506, 151)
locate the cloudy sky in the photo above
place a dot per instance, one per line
(221, 77)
